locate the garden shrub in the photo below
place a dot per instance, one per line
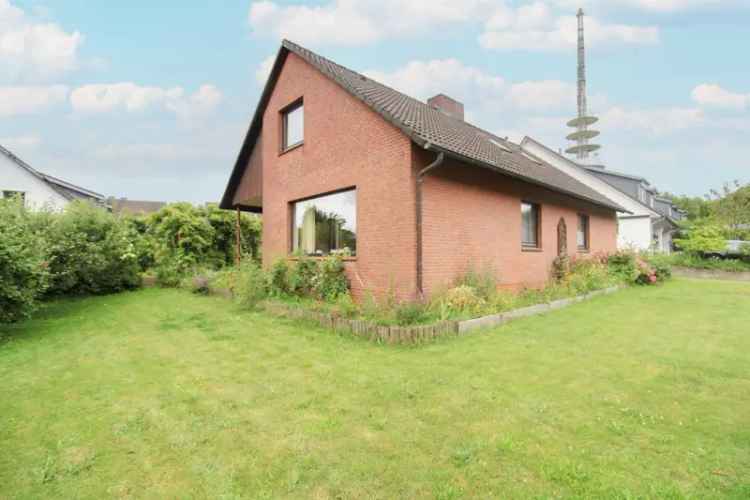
(90, 252)
(484, 281)
(330, 280)
(23, 266)
(278, 280)
(701, 239)
(302, 276)
(622, 265)
(462, 299)
(252, 284)
(410, 313)
(586, 275)
(183, 238)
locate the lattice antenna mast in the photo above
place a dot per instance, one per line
(582, 135)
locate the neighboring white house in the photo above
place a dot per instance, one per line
(642, 229)
(38, 190)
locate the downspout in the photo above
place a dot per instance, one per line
(420, 178)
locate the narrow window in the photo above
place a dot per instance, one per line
(530, 225)
(292, 126)
(325, 224)
(582, 235)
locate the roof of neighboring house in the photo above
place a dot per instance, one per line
(63, 188)
(599, 169)
(424, 125)
(135, 207)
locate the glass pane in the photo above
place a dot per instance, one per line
(582, 233)
(326, 224)
(528, 224)
(294, 126)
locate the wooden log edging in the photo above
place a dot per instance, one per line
(418, 334)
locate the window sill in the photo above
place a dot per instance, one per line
(351, 258)
(531, 249)
(291, 148)
(583, 250)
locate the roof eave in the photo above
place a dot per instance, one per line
(256, 124)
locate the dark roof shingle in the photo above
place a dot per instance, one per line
(429, 128)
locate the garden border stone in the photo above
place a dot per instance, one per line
(418, 334)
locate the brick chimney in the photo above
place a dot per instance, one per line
(447, 105)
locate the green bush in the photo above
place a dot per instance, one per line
(90, 252)
(252, 284)
(330, 281)
(703, 239)
(622, 265)
(587, 275)
(302, 276)
(23, 265)
(278, 280)
(483, 281)
(411, 313)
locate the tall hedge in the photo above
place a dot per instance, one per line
(90, 252)
(23, 265)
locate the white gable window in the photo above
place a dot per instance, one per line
(292, 125)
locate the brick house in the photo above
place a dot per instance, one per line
(413, 194)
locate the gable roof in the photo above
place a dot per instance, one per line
(65, 189)
(134, 207)
(424, 125)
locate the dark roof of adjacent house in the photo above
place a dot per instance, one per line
(426, 126)
(134, 207)
(63, 188)
(600, 169)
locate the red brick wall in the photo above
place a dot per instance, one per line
(346, 144)
(472, 217)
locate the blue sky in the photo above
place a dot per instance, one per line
(150, 100)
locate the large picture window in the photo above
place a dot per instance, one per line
(293, 126)
(326, 224)
(582, 236)
(530, 225)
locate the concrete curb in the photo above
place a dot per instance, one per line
(470, 325)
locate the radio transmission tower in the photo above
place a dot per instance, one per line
(581, 123)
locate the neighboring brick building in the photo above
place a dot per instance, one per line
(321, 129)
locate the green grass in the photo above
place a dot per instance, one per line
(163, 394)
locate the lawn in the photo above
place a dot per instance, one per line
(163, 394)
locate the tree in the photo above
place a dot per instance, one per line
(733, 208)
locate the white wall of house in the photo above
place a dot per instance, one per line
(38, 193)
(635, 229)
(634, 233)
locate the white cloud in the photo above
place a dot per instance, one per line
(533, 27)
(261, 74)
(24, 142)
(357, 22)
(32, 50)
(713, 95)
(658, 121)
(167, 152)
(477, 89)
(132, 98)
(657, 6)
(529, 26)
(21, 100)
